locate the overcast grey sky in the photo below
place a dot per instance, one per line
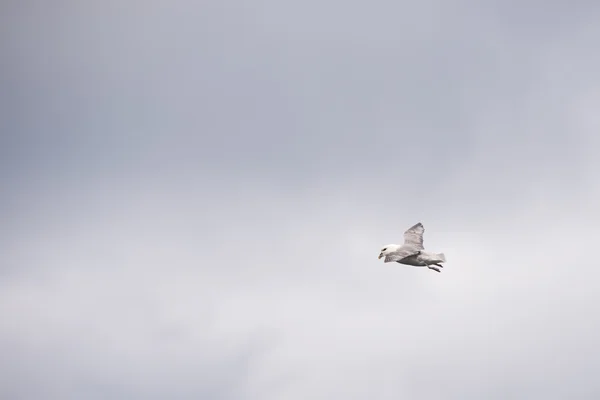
(194, 195)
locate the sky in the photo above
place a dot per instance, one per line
(194, 196)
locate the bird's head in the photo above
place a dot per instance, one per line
(388, 249)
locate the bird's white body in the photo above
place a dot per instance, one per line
(412, 251)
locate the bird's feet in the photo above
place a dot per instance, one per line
(434, 268)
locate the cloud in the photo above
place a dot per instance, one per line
(197, 195)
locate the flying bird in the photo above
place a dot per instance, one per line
(412, 251)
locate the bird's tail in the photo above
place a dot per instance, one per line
(442, 257)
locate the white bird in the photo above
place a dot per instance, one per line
(412, 251)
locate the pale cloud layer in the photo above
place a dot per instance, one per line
(195, 195)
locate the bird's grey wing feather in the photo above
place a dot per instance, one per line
(413, 237)
(400, 254)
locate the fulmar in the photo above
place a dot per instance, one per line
(412, 251)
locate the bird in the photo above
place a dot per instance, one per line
(412, 251)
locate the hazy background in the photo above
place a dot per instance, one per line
(194, 195)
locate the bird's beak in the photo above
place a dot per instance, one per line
(380, 255)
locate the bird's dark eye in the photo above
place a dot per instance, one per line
(384, 250)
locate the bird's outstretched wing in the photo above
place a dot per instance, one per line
(413, 237)
(400, 254)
